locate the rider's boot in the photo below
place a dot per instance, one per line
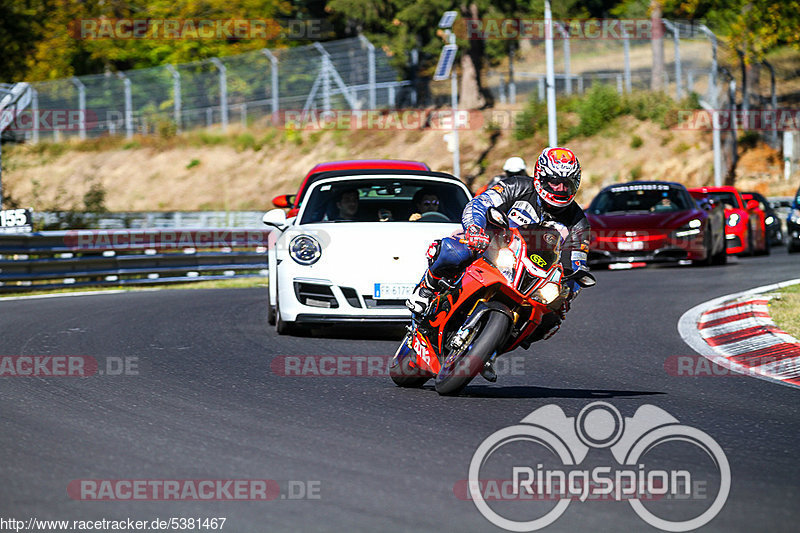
(421, 298)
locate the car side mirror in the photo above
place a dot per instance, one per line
(275, 218)
(752, 204)
(283, 201)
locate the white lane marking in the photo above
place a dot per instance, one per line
(736, 325)
(708, 316)
(66, 294)
(750, 344)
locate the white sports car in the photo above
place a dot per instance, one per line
(357, 247)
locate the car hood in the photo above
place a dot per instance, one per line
(670, 220)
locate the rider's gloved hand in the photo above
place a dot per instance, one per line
(476, 238)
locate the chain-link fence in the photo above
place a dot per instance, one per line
(622, 60)
(349, 73)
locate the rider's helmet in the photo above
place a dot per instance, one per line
(557, 176)
(514, 166)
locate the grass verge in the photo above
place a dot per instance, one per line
(785, 310)
(233, 283)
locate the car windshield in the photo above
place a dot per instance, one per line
(391, 199)
(727, 199)
(645, 198)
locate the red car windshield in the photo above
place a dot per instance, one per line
(727, 199)
(641, 198)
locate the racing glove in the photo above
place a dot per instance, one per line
(476, 238)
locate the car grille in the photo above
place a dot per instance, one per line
(351, 296)
(372, 303)
(315, 295)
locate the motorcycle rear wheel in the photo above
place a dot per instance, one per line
(457, 373)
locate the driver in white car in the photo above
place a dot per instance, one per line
(425, 201)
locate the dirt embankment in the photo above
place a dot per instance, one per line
(244, 170)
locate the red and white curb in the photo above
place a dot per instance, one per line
(737, 332)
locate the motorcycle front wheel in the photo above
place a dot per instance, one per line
(459, 367)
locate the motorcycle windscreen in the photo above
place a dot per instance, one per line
(543, 243)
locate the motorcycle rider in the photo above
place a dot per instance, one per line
(514, 166)
(546, 197)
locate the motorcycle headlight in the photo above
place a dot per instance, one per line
(505, 259)
(548, 293)
(733, 219)
(769, 220)
(305, 250)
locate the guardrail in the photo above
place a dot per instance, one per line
(57, 259)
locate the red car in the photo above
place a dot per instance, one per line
(654, 221)
(293, 200)
(745, 229)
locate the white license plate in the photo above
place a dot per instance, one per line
(627, 246)
(393, 291)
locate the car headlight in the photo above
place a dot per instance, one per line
(733, 219)
(795, 216)
(690, 228)
(305, 250)
(548, 293)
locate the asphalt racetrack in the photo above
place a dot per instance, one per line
(203, 402)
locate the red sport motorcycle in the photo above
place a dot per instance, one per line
(495, 306)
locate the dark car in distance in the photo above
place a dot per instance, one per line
(793, 225)
(771, 218)
(655, 222)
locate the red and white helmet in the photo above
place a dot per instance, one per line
(557, 176)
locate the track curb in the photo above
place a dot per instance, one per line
(736, 332)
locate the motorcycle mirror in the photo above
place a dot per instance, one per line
(582, 278)
(497, 217)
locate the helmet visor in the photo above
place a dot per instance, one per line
(560, 187)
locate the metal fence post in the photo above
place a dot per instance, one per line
(676, 41)
(627, 50)
(128, 105)
(773, 100)
(35, 113)
(223, 90)
(176, 95)
(712, 88)
(567, 76)
(273, 61)
(371, 71)
(81, 106)
(541, 89)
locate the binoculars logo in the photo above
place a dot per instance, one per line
(554, 476)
